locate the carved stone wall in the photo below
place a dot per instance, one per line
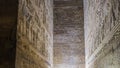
(102, 33)
(34, 34)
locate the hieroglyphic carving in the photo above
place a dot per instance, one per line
(104, 16)
(31, 31)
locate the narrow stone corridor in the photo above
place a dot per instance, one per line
(69, 51)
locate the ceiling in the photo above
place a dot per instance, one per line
(68, 3)
(68, 34)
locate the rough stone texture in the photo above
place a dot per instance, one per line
(34, 34)
(8, 20)
(102, 33)
(68, 35)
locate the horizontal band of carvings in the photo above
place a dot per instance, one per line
(102, 45)
(34, 50)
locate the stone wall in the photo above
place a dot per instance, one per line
(102, 33)
(34, 34)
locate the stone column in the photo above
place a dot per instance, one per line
(34, 34)
(102, 33)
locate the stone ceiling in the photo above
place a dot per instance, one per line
(68, 34)
(68, 3)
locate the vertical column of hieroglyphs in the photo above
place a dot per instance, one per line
(34, 34)
(102, 33)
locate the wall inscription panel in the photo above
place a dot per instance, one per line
(34, 34)
(102, 26)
